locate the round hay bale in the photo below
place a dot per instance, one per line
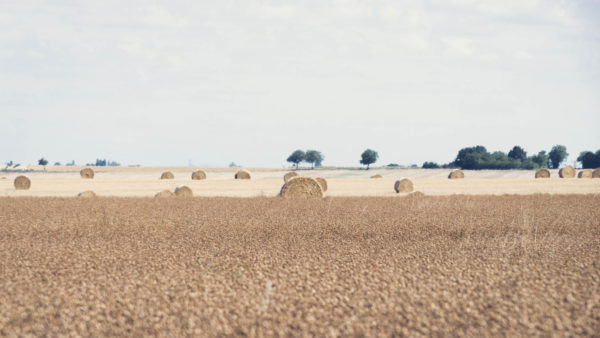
(242, 175)
(455, 174)
(167, 175)
(322, 182)
(596, 173)
(86, 173)
(416, 194)
(164, 193)
(301, 187)
(377, 176)
(585, 173)
(403, 185)
(566, 172)
(22, 183)
(289, 176)
(199, 175)
(86, 194)
(542, 173)
(183, 191)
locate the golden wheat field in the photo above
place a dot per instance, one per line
(338, 266)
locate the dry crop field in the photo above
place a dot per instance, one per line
(338, 266)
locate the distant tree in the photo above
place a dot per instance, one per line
(517, 153)
(541, 159)
(313, 157)
(296, 157)
(43, 162)
(557, 155)
(469, 158)
(369, 157)
(589, 160)
(430, 165)
(113, 164)
(393, 165)
(9, 163)
(100, 162)
(57, 163)
(72, 163)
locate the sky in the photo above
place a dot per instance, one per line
(207, 83)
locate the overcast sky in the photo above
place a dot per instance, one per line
(211, 82)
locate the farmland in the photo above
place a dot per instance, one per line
(433, 265)
(145, 182)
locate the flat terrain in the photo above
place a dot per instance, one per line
(339, 266)
(144, 181)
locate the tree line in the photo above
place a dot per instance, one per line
(478, 157)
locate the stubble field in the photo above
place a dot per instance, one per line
(377, 266)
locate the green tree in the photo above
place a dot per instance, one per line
(430, 165)
(517, 153)
(557, 155)
(296, 157)
(43, 161)
(589, 160)
(313, 157)
(541, 159)
(369, 157)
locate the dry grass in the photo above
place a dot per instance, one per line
(459, 265)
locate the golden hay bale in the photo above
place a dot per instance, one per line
(403, 185)
(377, 176)
(164, 193)
(183, 191)
(167, 175)
(585, 173)
(322, 182)
(289, 176)
(86, 173)
(301, 187)
(199, 175)
(542, 173)
(22, 183)
(242, 175)
(87, 193)
(456, 173)
(566, 172)
(596, 173)
(416, 194)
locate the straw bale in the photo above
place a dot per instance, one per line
(585, 173)
(456, 173)
(377, 176)
(86, 194)
(566, 172)
(22, 183)
(164, 193)
(289, 176)
(242, 175)
(301, 187)
(403, 185)
(167, 175)
(542, 173)
(183, 191)
(199, 175)
(86, 173)
(322, 182)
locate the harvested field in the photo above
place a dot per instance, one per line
(449, 265)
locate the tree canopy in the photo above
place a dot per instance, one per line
(313, 157)
(557, 155)
(296, 157)
(369, 157)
